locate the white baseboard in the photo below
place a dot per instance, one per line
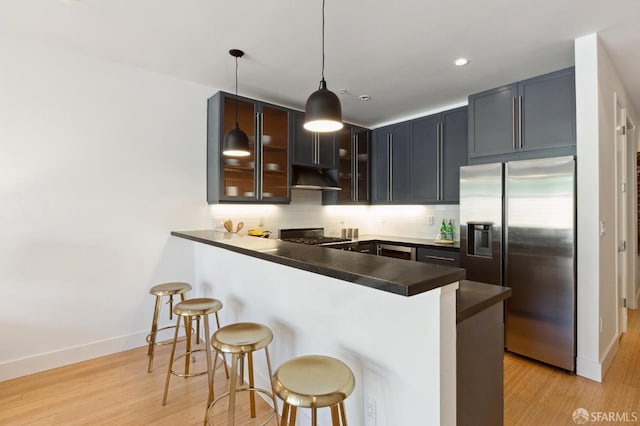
(46, 361)
(612, 350)
(596, 370)
(589, 369)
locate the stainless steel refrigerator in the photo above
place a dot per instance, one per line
(517, 229)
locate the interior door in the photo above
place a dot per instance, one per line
(621, 216)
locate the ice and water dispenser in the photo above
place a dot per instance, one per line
(479, 237)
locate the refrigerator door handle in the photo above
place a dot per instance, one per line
(520, 144)
(513, 123)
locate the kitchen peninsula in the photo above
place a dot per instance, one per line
(392, 321)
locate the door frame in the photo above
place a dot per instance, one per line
(624, 263)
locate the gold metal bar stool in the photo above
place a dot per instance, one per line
(242, 339)
(313, 381)
(161, 290)
(188, 309)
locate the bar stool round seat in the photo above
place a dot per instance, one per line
(159, 291)
(242, 339)
(188, 309)
(313, 381)
(168, 289)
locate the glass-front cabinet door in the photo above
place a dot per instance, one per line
(263, 176)
(274, 123)
(361, 172)
(353, 167)
(345, 161)
(239, 173)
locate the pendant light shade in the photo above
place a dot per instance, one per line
(236, 142)
(323, 112)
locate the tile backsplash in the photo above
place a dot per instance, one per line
(306, 210)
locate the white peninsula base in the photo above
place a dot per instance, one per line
(401, 349)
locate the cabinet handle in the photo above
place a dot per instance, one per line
(354, 166)
(438, 154)
(261, 176)
(314, 146)
(365, 251)
(447, 259)
(513, 123)
(390, 195)
(520, 121)
(441, 162)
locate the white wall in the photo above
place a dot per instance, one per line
(306, 210)
(98, 163)
(597, 83)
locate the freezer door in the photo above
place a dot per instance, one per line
(481, 222)
(540, 259)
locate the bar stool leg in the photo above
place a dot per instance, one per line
(210, 368)
(285, 414)
(252, 395)
(292, 419)
(314, 416)
(224, 358)
(335, 421)
(154, 331)
(173, 352)
(187, 358)
(343, 414)
(232, 390)
(273, 391)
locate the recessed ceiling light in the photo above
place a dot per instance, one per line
(364, 97)
(342, 91)
(461, 61)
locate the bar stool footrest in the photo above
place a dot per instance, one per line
(241, 389)
(165, 342)
(179, 374)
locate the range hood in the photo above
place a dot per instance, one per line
(312, 178)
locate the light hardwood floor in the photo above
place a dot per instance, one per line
(540, 395)
(117, 390)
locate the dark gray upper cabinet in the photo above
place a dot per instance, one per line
(439, 144)
(311, 148)
(454, 152)
(425, 160)
(391, 164)
(263, 176)
(419, 160)
(353, 167)
(491, 121)
(548, 111)
(531, 118)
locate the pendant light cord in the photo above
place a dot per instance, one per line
(237, 91)
(323, 40)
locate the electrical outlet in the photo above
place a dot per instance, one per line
(370, 411)
(430, 220)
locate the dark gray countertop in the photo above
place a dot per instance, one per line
(473, 297)
(397, 276)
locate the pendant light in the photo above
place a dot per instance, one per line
(323, 112)
(236, 142)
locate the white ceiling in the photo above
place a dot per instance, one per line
(399, 52)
